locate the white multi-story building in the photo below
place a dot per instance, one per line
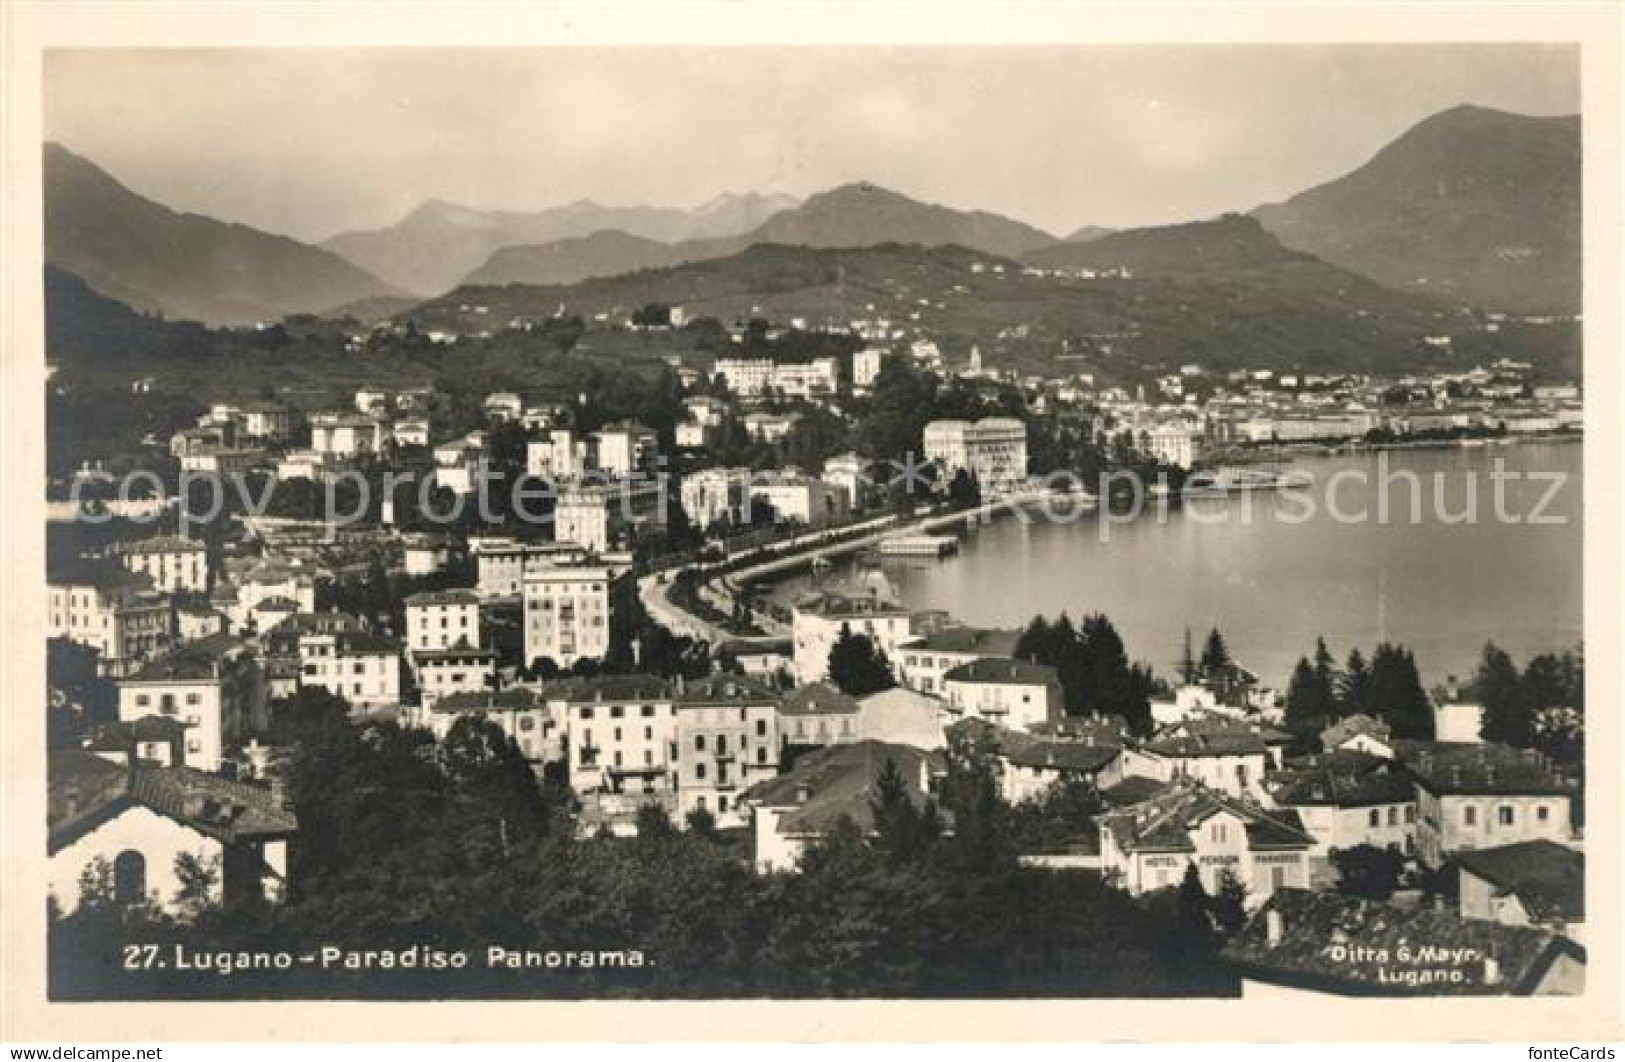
(746, 377)
(561, 458)
(1346, 798)
(848, 473)
(442, 618)
(213, 686)
(624, 448)
(111, 610)
(727, 739)
(922, 662)
(1172, 443)
(566, 614)
(362, 667)
(459, 668)
(714, 494)
(621, 736)
(817, 622)
(799, 499)
(502, 562)
(174, 563)
(1483, 795)
(866, 365)
(993, 450)
(346, 434)
(1010, 693)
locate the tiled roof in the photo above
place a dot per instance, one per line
(1478, 768)
(1164, 822)
(984, 640)
(444, 597)
(1546, 877)
(609, 688)
(105, 575)
(1134, 789)
(1100, 729)
(513, 699)
(165, 544)
(840, 781)
(194, 661)
(1319, 930)
(86, 790)
(1352, 726)
(1065, 756)
(820, 698)
(1215, 736)
(1003, 670)
(728, 690)
(1344, 778)
(846, 606)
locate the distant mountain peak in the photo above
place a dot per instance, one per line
(1436, 209)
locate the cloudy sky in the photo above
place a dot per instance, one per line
(310, 143)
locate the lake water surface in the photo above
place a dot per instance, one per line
(1273, 581)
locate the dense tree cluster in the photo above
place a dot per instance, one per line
(1389, 688)
(1093, 665)
(404, 844)
(858, 666)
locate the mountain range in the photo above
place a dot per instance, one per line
(1471, 205)
(437, 245)
(852, 215)
(184, 266)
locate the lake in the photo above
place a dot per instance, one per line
(1272, 575)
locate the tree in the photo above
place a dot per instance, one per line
(1507, 714)
(1215, 656)
(1396, 689)
(857, 666)
(487, 768)
(701, 823)
(1354, 689)
(1304, 701)
(1229, 905)
(197, 878)
(1326, 678)
(963, 491)
(1187, 660)
(903, 831)
(1367, 871)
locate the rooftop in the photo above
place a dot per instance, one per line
(1165, 821)
(1461, 768)
(1003, 670)
(164, 544)
(1341, 778)
(443, 597)
(609, 688)
(820, 698)
(1316, 931)
(195, 661)
(1215, 735)
(841, 781)
(1546, 877)
(984, 640)
(727, 689)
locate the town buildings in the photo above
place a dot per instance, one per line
(135, 821)
(923, 661)
(993, 451)
(175, 564)
(111, 610)
(566, 614)
(1004, 691)
(1147, 846)
(818, 619)
(1528, 883)
(213, 686)
(727, 739)
(1483, 795)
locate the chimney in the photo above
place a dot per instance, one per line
(1274, 927)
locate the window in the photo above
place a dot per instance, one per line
(761, 754)
(722, 744)
(1277, 877)
(1469, 816)
(761, 728)
(648, 711)
(699, 771)
(1374, 818)
(1393, 816)
(617, 759)
(722, 803)
(586, 713)
(142, 700)
(617, 733)
(648, 733)
(699, 742)
(194, 698)
(1505, 814)
(1410, 815)
(526, 723)
(1219, 831)
(1542, 813)
(616, 712)
(129, 877)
